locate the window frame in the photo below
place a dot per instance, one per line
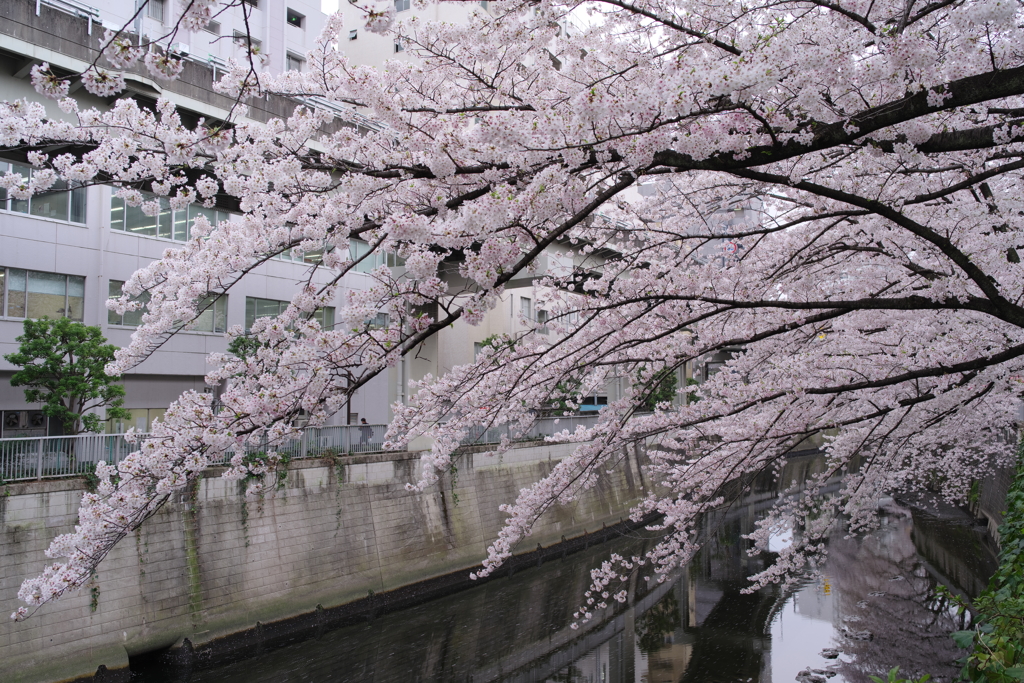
(526, 308)
(156, 10)
(326, 316)
(76, 194)
(5, 291)
(290, 59)
(178, 224)
(218, 308)
(244, 40)
(294, 18)
(542, 320)
(359, 248)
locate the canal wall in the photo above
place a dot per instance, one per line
(212, 564)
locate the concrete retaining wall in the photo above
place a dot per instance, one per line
(212, 563)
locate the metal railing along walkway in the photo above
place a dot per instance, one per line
(50, 457)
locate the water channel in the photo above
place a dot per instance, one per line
(872, 607)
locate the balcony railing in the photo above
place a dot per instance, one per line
(50, 457)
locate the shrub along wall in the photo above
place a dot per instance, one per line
(998, 637)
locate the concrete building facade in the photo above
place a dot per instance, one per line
(65, 252)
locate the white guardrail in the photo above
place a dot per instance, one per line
(49, 457)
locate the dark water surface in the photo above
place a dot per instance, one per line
(874, 601)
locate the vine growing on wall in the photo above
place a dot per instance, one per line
(997, 639)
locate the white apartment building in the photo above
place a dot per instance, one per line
(65, 252)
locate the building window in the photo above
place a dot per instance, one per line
(294, 62)
(253, 3)
(315, 256)
(353, 34)
(542, 321)
(526, 308)
(478, 348)
(245, 40)
(214, 316)
(271, 308)
(359, 249)
(295, 19)
(399, 47)
(402, 5)
(155, 10)
(213, 27)
(58, 203)
(129, 318)
(31, 294)
(168, 224)
(141, 419)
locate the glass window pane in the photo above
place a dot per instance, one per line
(181, 230)
(165, 225)
(53, 203)
(16, 292)
(20, 205)
(358, 248)
(266, 308)
(213, 319)
(3, 289)
(47, 294)
(130, 318)
(113, 292)
(204, 323)
(220, 320)
(134, 318)
(194, 211)
(78, 198)
(116, 213)
(261, 308)
(76, 297)
(327, 319)
(3, 191)
(139, 419)
(156, 414)
(138, 222)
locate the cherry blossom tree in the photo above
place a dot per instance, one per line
(877, 299)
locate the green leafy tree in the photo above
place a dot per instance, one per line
(62, 365)
(660, 388)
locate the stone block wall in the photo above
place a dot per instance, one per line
(212, 563)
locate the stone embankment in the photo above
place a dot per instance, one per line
(214, 570)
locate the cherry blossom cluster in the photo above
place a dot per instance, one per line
(822, 197)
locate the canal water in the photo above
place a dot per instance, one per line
(872, 607)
